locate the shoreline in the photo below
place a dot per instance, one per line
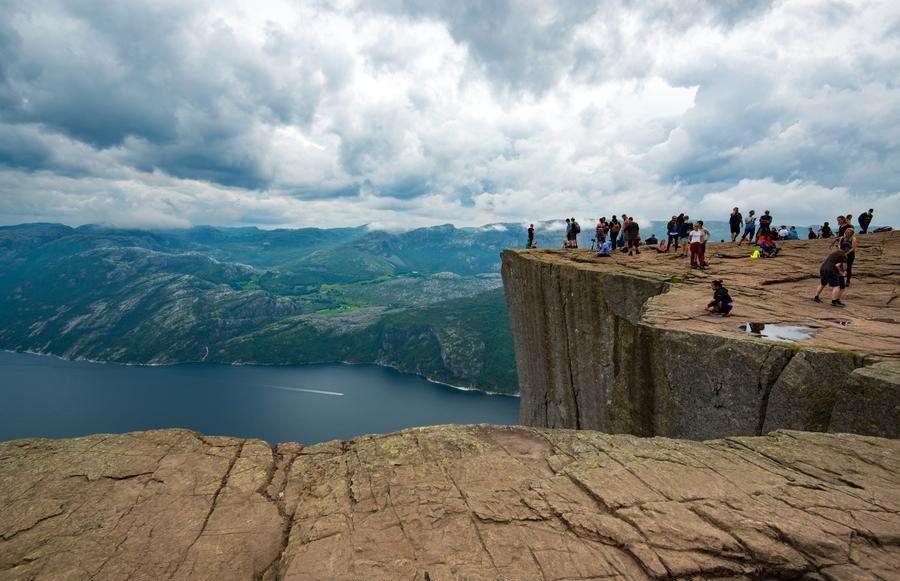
(250, 363)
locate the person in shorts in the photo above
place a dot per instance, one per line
(831, 274)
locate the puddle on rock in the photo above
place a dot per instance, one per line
(777, 332)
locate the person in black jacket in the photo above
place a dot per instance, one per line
(864, 220)
(765, 224)
(530, 236)
(721, 303)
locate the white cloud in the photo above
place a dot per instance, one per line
(404, 113)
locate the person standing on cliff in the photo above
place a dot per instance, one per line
(576, 230)
(614, 228)
(851, 242)
(831, 275)
(672, 233)
(704, 240)
(530, 236)
(765, 224)
(601, 230)
(633, 236)
(749, 228)
(696, 245)
(735, 221)
(568, 241)
(686, 228)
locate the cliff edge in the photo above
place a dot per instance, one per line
(622, 344)
(472, 503)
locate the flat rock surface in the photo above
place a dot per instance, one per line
(771, 291)
(451, 502)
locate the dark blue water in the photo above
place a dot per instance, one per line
(50, 398)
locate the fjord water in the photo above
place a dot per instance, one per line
(44, 397)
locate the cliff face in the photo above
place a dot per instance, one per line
(467, 503)
(620, 345)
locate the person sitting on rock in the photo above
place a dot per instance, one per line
(811, 235)
(793, 234)
(825, 231)
(767, 246)
(651, 240)
(721, 303)
(831, 273)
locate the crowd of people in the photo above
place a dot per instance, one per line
(685, 236)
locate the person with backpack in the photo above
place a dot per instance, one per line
(614, 228)
(864, 220)
(576, 230)
(749, 228)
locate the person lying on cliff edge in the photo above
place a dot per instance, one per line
(721, 303)
(831, 274)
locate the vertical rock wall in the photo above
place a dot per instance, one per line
(587, 360)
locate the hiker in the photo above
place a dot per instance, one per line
(831, 274)
(576, 230)
(735, 221)
(614, 228)
(783, 232)
(792, 233)
(825, 231)
(672, 231)
(749, 228)
(696, 245)
(568, 241)
(633, 236)
(686, 228)
(851, 241)
(811, 235)
(601, 230)
(530, 236)
(721, 303)
(651, 241)
(604, 249)
(704, 240)
(842, 226)
(767, 246)
(864, 220)
(765, 223)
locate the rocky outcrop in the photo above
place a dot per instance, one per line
(622, 344)
(450, 503)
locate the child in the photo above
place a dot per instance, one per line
(721, 303)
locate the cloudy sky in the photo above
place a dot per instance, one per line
(404, 113)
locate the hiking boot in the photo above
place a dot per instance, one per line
(817, 299)
(837, 303)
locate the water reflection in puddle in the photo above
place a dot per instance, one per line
(777, 332)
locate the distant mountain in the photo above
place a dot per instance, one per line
(426, 301)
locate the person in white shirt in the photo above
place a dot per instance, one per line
(783, 233)
(706, 236)
(695, 237)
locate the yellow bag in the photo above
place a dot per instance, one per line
(755, 254)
